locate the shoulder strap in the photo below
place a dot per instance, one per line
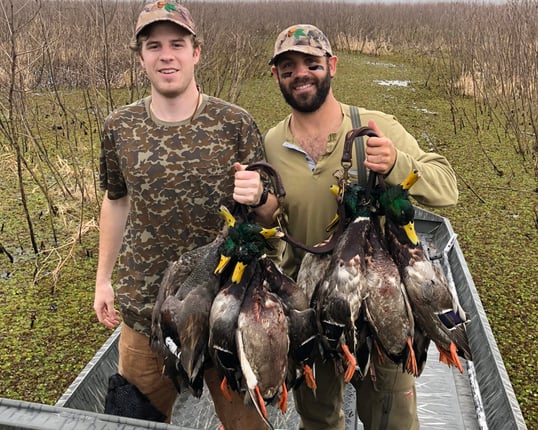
(359, 145)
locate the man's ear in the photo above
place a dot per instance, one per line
(197, 53)
(332, 65)
(274, 72)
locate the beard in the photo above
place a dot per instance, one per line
(306, 103)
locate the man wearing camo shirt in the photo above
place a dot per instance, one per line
(167, 163)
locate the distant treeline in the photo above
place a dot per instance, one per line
(484, 50)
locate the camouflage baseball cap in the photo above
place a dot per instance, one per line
(165, 11)
(303, 38)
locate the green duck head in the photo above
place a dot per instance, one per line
(353, 200)
(396, 206)
(244, 243)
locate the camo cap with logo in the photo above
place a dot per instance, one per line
(304, 38)
(165, 11)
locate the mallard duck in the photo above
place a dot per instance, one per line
(436, 308)
(176, 273)
(311, 271)
(222, 326)
(181, 320)
(245, 242)
(302, 333)
(394, 203)
(386, 305)
(262, 345)
(337, 280)
(337, 298)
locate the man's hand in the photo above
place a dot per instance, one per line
(104, 305)
(248, 187)
(380, 152)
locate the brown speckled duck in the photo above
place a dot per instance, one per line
(386, 305)
(180, 326)
(262, 345)
(338, 296)
(437, 311)
(302, 327)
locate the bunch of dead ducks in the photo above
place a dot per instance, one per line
(228, 304)
(376, 292)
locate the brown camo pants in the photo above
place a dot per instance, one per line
(143, 367)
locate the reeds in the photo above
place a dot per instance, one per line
(65, 64)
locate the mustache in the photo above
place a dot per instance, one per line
(303, 80)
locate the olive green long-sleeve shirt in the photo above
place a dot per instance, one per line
(309, 203)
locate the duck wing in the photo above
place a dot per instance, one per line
(436, 308)
(289, 292)
(222, 326)
(421, 343)
(312, 270)
(183, 325)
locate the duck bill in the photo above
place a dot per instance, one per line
(411, 179)
(237, 275)
(333, 223)
(271, 232)
(335, 190)
(227, 215)
(409, 229)
(223, 262)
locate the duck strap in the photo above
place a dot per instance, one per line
(280, 192)
(347, 154)
(280, 215)
(359, 145)
(352, 136)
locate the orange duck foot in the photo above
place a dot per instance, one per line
(224, 389)
(283, 401)
(351, 363)
(411, 364)
(309, 377)
(261, 402)
(450, 358)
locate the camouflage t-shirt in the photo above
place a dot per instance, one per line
(176, 176)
